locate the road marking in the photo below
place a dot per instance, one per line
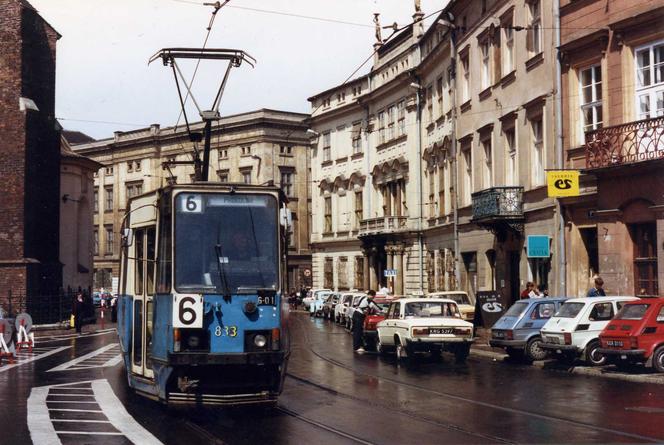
(89, 361)
(112, 415)
(27, 357)
(57, 338)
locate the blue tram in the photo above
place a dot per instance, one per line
(201, 318)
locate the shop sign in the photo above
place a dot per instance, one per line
(538, 246)
(490, 306)
(562, 183)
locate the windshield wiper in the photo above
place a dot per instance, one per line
(222, 270)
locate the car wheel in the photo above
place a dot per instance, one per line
(658, 359)
(461, 353)
(593, 356)
(534, 351)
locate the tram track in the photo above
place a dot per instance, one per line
(467, 400)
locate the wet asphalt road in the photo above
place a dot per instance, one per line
(334, 396)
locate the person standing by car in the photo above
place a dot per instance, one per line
(530, 286)
(597, 290)
(114, 309)
(365, 307)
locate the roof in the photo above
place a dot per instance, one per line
(77, 137)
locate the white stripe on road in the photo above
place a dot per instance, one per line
(71, 336)
(39, 420)
(67, 365)
(119, 416)
(5, 368)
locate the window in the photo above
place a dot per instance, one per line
(535, 27)
(328, 215)
(644, 237)
(401, 116)
(439, 94)
(246, 176)
(109, 241)
(381, 127)
(508, 48)
(591, 98)
(485, 50)
(390, 122)
(109, 199)
(511, 163)
(134, 189)
(223, 175)
(487, 170)
(109, 170)
(465, 83)
(441, 188)
(246, 150)
(432, 194)
(95, 240)
(467, 175)
(285, 149)
(650, 81)
(328, 273)
(327, 151)
(342, 272)
(538, 151)
(287, 182)
(292, 239)
(359, 272)
(356, 137)
(223, 153)
(95, 197)
(601, 312)
(138, 166)
(130, 166)
(429, 100)
(358, 208)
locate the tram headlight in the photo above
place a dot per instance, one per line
(250, 307)
(260, 340)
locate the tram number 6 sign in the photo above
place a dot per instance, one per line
(187, 311)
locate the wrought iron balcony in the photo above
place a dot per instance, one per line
(625, 144)
(384, 224)
(498, 204)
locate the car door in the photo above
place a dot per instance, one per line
(392, 322)
(383, 328)
(598, 317)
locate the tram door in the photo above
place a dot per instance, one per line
(144, 279)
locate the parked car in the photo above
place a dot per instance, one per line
(518, 330)
(348, 312)
(636, 334)
(465, 302)
(424, 325)
(316, 305)
(574, 331)
(329, 304)
(340, 309)
(372, 319)
(306, 301)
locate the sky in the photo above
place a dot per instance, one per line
(104, 83)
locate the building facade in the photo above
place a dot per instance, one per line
(612, 57)
(432, 166)
(29, 157)
(259, 147)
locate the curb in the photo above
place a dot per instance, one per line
(603, 372)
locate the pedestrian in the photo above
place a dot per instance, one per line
(78, 311)
(114, 309)
(526, 292)
(366, 306)
(598, 289)
(543, 290)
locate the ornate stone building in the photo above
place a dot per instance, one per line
(257, 147)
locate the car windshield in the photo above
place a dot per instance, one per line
(632, 312)
(431, 309)
(226, 242)
(458, 298)
(570, 310)
(516, 310)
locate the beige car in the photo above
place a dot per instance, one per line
(465, 302)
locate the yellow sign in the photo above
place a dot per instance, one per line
(562, 183)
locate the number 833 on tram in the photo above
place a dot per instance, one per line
(201, 317)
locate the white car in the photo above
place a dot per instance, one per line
(306, 301)
(316, 305)
(425, 324)
(465, 302)
(574, 330)
(340, 309)
(348, 311)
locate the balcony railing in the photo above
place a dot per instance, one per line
(625, 144)
(384, 224)
(497, 204)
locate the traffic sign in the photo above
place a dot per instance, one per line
(561, 183)
(538, 246)
(390, 273)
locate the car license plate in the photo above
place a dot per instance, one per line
(498, 334)
(615, 343)
(554, 340)
(441, 330)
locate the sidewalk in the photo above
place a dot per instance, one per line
(55, 329)
(638, 374)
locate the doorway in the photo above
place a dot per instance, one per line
(644, 239)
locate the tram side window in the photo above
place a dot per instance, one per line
(139, 256)
(149, 314)
(138, 332)
(164, 267)
(151, 235)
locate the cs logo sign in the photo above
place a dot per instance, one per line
(561, 183)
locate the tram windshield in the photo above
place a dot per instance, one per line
(226, 243)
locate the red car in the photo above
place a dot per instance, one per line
(371, 320)
(636, 334)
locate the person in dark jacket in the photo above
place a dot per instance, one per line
(79, 311)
